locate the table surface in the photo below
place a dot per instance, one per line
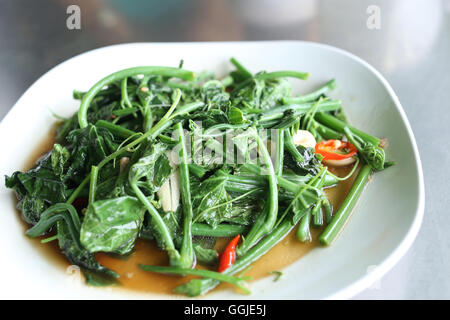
(407, 41)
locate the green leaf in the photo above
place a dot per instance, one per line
(209, 200)
(171, 220)
(88, 147)
(96, 279)
(31, 209)
(82, 258)
(210, 117)
(205, 256)
(213, 94)
(214, 205)
(41, 182)
(236, 116)
(37, 189)
(102, 113)
(311, 163)
(249, 95)
(59, 158)
(112, 225)
(274, 92)
(195, 287)
(152, 169)
(261, 94)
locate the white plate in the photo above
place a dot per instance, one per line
(382, 228)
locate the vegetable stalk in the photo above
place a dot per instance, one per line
(200, 286)
(341, 217)
(187, 251)
(119, 75)
(256, 233)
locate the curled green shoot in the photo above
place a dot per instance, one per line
(372, 155)
(120, 75)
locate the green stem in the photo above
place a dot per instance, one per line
(177, 85)
(272, 76)
(328, 181)
(118, 131)
(49, 239)
(163, 71)
(197, 170)
(289, 182)
(187, 251)
(222, 230)
(298, 109)
(330, 85)
(316, 181)
(280, 153)
(158, 221)
(371, 154)
(355, 166)
(125, 99)
(201, 286)
(148, 119)
(317, 214)
(338, 125)
(58, 212)
(221, 277)
(151, 134)
(303, 232)
(173, 106)
(341, 217)
(328, 210)
(326, 132)
(93, 184)
(77, 191)
(290, 146)
(241, 68)
(227, 81)
(257, 232)
(125, 112)
(283, 74)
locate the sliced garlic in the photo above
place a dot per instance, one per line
(169, 193)
(174, 159)
(339, 163)
(164, 195)
(304, 138)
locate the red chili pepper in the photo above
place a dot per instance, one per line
(228, 256)
(329, 148)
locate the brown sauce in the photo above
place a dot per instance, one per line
(132, 277)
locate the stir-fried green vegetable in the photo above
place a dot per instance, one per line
(182, 159)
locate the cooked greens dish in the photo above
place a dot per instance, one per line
(181, 159)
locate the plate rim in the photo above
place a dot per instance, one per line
(394, 257)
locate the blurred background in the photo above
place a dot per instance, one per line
(408, 41)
